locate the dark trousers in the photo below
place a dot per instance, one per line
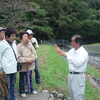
(22, 81)
(36, 70)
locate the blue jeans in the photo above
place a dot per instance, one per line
(11, 81)
(36, 70)
(22, 81)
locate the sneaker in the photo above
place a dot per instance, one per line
(34, 92)
(23, 95)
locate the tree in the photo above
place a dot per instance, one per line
(84, 12)
(11, 12)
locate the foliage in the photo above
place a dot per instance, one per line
(68, 17)
(54, 19)
(11, 12)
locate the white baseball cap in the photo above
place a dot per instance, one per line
(30, 32)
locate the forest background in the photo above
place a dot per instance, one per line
(53, 19)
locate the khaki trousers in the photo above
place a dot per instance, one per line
(76, 85)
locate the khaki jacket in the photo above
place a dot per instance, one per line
(25, 52)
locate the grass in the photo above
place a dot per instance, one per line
(92, 92)
(52, 69)
(54, 72)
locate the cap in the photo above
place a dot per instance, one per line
(1, 28)
(30, 32)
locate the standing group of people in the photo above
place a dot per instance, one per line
(25, 53)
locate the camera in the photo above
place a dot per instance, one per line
(34, 44)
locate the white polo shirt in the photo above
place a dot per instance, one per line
(77, 59)
(34, 40)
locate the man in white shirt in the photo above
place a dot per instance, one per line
(77, 58)
(36, 46)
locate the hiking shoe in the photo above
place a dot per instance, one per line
(23, 95)
(34, 92)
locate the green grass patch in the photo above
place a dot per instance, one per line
(93, 72)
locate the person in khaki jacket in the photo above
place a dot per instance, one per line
(26, 54)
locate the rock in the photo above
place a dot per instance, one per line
(50, 99)
(61, 96)
(55, 94)
(45, 91)
(51, 96)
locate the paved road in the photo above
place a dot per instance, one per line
(39, 96)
